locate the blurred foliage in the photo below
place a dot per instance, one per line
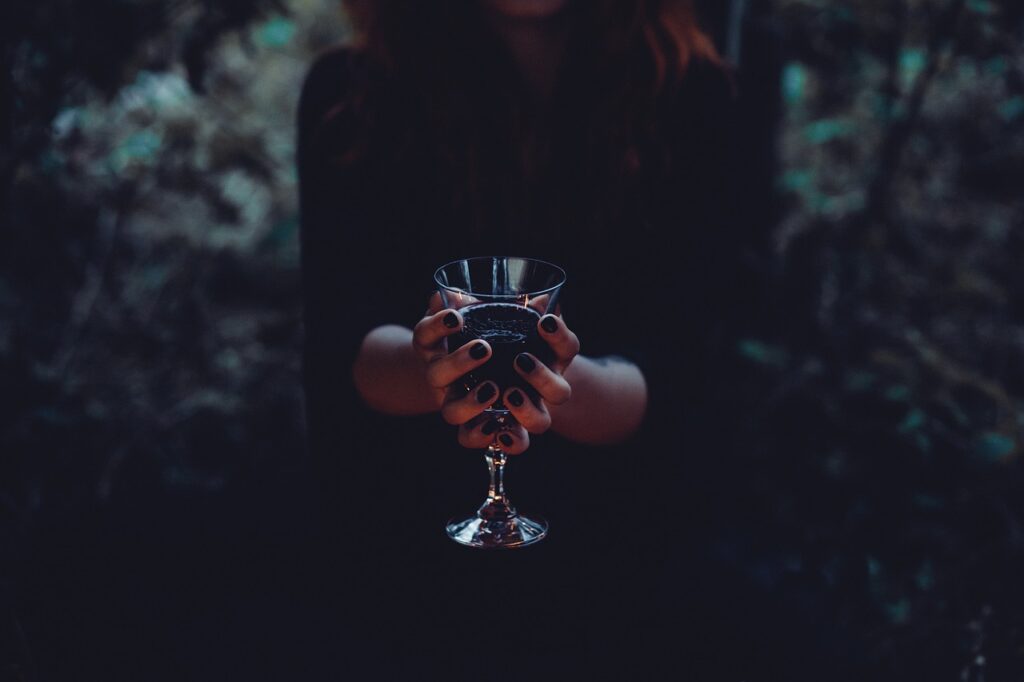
(149, 287)
(149, 308)
(890, 407)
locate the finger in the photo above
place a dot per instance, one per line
(456, 299)
(443, 369)
(540, 303)
(552, 386)
(478, 433)
(561, 339)
(435, 303)
(534, 418)
(429, 332)
(514, 440)
(461, 410)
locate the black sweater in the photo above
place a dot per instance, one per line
(656, 284)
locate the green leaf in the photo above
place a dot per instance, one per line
(859, 380)
(140, 147)
(277, 32)
(876, 579)
(763, 353)
(897, 393)
(828, 129)
(794, 83)
(912, 63)
(155, 276)
(67, 120)
(913, 421)
(994, 446)
(1011, 109)
(898, 611)
(925, 577)
(981, 6)
(874, 567)
(796, 180)
(51, 161)
(996, 66)
(283, 233)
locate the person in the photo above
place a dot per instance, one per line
(596, 135)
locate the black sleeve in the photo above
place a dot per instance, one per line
(694, 289)
(730, 218)
(348, 286)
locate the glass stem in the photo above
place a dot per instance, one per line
(497, 507)
(496, 459)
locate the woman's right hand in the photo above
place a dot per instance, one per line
(443, 370)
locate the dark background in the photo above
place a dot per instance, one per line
(151, 421)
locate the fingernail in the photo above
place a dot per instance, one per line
(490, 427)
(526, 363)
(485, 393)
(516, 398)
(506, 439)
(478, 351)
(451, 320)
(549, 324)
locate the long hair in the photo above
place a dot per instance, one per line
(627, 57)
(668, 28)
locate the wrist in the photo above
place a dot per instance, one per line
(608, 403)
(389, 376)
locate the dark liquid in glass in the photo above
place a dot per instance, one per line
(510, 329)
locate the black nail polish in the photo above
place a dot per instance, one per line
(485, 393)
(451, 320)
(549, 324)
(526, 363)
(490, 427)
(516, 398)
(478, 351)
(506, 440)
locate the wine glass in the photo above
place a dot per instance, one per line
(501, 299)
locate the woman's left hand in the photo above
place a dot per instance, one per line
(548, 381)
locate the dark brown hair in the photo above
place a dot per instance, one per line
(668, 28)
(626, 56)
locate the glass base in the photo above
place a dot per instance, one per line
(518, 531)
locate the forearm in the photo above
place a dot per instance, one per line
(609, 395)
(609, 398)
(389, 375)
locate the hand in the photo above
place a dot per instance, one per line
(476, 429)
(548, 381)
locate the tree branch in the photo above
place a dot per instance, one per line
(901, 128)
